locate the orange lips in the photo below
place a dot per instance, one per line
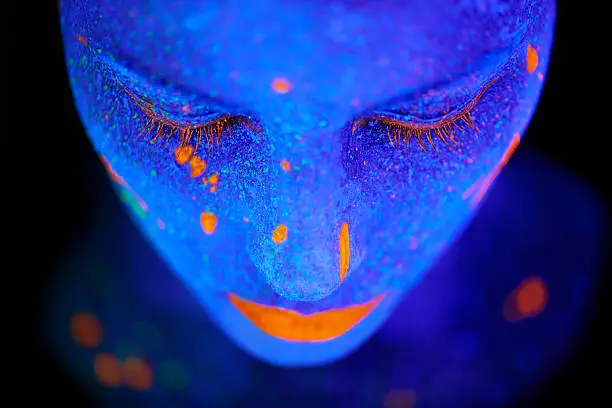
(293, 326)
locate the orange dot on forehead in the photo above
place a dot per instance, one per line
(281, 85)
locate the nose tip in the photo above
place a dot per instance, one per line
(301, 259)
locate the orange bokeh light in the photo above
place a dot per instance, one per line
(107, 370)
(137, 374)
(529, 299)
(86, 330)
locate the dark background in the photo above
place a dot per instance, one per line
(47, 161)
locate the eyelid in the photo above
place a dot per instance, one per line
(139, 84)
(399, 129)
(442, 120)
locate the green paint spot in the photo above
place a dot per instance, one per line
(153, 173)
(174, 374)
(129, 199)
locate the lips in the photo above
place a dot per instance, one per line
(293, 326)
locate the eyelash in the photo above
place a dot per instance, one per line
(398, 130)
(210, 130)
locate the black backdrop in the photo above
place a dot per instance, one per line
(46, 158)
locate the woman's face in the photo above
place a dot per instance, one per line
(299, 165)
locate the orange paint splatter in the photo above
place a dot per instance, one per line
(182, 154)
(285, 165)
(345, 250)
(400, 399)
(208, 221)
(82, 40)
(280, 234)
(281, 85)
(197, 166)
(478, 190)
(529, 299)
(107, 370)
(86, 330)
(532, 59)
(213, 189)
(137, 374)
(293, 326)
(161, 224)
(214, 178)
(245, 219)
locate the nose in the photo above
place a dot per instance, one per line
(301, 253)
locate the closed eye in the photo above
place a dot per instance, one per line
(401, 129)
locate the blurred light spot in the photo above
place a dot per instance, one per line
(399, 399)
(532, 59)
(281, 85)
(161, 224)
(285, 164)
(86, 330)
(107, 370)
(174, 374)
(208, 221)
(529, 299)
(280, 234)
(137, 374)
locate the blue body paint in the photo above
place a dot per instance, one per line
(344, 61)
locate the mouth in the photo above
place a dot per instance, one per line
(296, 327)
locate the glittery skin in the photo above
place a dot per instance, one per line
(302, 73)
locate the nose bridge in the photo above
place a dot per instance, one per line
(298, 250)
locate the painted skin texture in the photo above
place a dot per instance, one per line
(271, 152)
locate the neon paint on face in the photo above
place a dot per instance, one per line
(309, 160)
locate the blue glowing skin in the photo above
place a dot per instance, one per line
(346, 65)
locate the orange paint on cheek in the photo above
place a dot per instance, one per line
(208, 221)
(182, 154)
(532, 59)
(213, 179)
(345, 250)
(197, 166)
(82, 39)
(280, 234)
(285, 165)
(529, 299)
(293, 326)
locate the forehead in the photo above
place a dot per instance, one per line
(329, 52)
